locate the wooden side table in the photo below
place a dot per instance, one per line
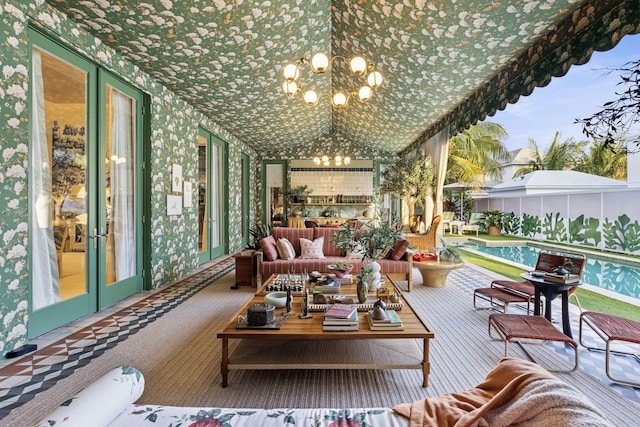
(246, 268)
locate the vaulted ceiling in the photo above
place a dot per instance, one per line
(441, 59)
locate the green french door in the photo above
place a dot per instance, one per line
(245, 201)
(85, 187)
(212, 196)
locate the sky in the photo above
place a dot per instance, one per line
(578, 94)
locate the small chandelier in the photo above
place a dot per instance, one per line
(364, 76)
(338, 160)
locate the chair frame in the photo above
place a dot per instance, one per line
(547, 262)
(516, 327)
(593, 320)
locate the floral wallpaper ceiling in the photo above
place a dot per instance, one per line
(226, 57)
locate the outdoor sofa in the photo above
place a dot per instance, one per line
(398, 261)
(514, 392)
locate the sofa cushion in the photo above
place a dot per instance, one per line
(311, 249)
(285, 249)
(293, 235)
(399, 249)
(329, 247)
(268, 245)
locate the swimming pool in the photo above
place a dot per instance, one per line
(615, 277)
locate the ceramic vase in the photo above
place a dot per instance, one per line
(362, 289)
(373, 279)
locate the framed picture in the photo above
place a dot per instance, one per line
(174, 204)
(176, 178)
(188, 194)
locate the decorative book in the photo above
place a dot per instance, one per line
(561, 278)
(342, 311)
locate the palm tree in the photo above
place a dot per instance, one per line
(559, 156)
(605, 160)
(476, 154)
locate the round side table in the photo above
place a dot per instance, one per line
(434, 273)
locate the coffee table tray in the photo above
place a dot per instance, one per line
(368, 305)
(276, 324)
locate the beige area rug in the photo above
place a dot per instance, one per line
(179, 356)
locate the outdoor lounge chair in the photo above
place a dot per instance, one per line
(611, 328)
(476, 220)
(501, 293)
(518, 327)
(447, 217)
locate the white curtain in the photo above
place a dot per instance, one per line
(122, 186)
(45, 275)
(438, 148)
(216, 173)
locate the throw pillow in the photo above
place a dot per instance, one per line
(268, 245)
(311, 250)
(285, 249)
(399, 248)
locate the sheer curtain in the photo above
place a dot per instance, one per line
(438, 148)
(122, 186)
(44, 265)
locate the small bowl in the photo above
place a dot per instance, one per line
(340, 273)
(277, 299)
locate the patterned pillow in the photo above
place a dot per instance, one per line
(268, 245)
(399, 249)
(285, 249)
(311, 250)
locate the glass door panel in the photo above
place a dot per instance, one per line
(60, 124)
(119, 228)
(203, 184)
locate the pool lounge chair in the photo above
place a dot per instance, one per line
(476, 220)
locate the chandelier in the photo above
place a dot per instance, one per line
(338, 160)
(365, 78)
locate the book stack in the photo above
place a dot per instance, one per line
(329, 286)
(561, 278)
(391, 322)
(340, 317)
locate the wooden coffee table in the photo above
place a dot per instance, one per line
(302, 344)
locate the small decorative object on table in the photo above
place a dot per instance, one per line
(340, 269)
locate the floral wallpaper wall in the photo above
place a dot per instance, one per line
(174, 126)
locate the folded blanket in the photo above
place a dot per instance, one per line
(515, 392)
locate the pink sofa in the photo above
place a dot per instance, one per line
(332, 254)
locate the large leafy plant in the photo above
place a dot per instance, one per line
(372, 240)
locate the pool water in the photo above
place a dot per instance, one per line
(609, 275)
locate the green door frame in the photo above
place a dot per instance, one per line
(109, 294)
(265, 196)
(245, 208)
(58, 314)
(214, 252)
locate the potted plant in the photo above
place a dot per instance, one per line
(299, 194)
(372, 241)
(493, 221)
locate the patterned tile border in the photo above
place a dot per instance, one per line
(28, 376)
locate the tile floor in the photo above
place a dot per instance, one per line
(65, 349)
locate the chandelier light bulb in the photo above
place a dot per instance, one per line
(291, 72)
(338, 158)
(316, 160)
(310, 98)
(290, 88)
(347, 160)
(364, 94)
(325, 159)
(358, 65)
(319, 63)
(339, 100)
(374, 79)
